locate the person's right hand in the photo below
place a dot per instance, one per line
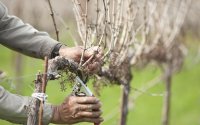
(77, 109)
(75, 54)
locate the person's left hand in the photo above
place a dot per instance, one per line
(77, 109)
(75, 54)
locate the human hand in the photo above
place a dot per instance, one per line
(77, 109)
(75, 54)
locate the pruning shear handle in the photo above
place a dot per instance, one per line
(81, 85)
(77, 90)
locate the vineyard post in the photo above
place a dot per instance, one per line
(124, 106)
(35, 113)
(44, 84)
(167, 96)
(35, 103)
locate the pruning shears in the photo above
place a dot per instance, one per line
(80, 88)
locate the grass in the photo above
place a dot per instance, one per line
(144, 110)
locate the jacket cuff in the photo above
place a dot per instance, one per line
(48, 46)
(55, 51)
(47, 114)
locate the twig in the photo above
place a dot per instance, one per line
(86, 35)
(88, 61)
(181, 14)
(107, 23)
(44, 84)
(97, 18)
(66, 26)
(61, 63)
(105, 20)
(79, 21)
(35, 104)
(54, 21)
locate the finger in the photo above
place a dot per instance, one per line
(93, 50)
(93, 66)
(87, 100)
(94, 114)
(88, 53)
(100, 51)
(89, 107)
(98, 58)
(71, 100)
(91, 120)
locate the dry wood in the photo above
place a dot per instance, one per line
(36, 108)
(44, 84)
(54, 20)
(35, 104)
(124, 106)
(167, 97)
(130, 33)
(86, 34)
(61, 63)
(123, 43)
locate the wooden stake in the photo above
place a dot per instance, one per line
(124, 106)
(44, 83)
(167, 97)
(34, 107)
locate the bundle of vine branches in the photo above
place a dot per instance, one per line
(131, 33)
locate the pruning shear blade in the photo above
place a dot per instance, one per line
(80, 84)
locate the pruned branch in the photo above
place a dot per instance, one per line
(131, 33)
(54, 20)
(167, 97)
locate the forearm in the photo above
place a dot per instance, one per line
(14, 108)
(23, 38)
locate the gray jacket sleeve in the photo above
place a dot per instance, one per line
(13, 108)
(23, 38)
